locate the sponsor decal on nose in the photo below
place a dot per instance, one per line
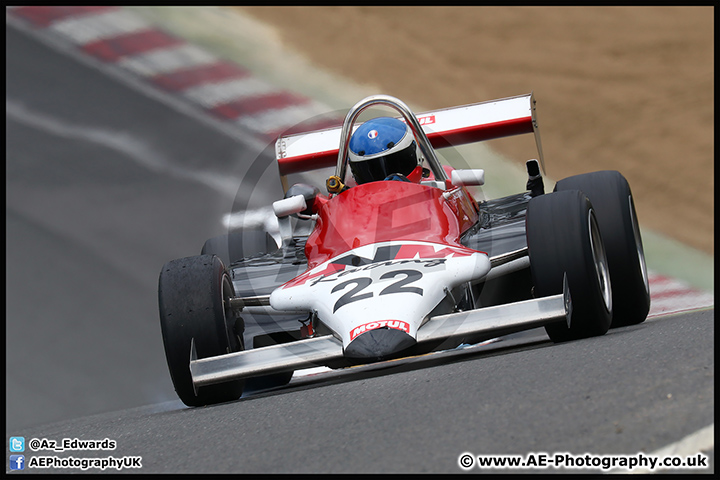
(395, 324)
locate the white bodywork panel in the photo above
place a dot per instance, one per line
(398, 293)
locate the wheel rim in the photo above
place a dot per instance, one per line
(227, 294)
(638, 244)
(600, 261)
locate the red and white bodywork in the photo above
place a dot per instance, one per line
(383, 255)
(384, 258)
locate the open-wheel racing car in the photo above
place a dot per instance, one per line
(399, 258)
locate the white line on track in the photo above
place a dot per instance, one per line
(134, 148)
(702, 440)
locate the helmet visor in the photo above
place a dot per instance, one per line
(379, 168)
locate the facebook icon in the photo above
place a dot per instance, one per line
(17, 462)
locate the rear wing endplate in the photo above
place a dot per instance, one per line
(446, 127)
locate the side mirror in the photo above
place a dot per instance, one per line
(309, 192)
(468, 178)
(289, 206)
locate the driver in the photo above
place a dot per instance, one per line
(384, 148)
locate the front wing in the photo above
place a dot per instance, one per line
(475, 325)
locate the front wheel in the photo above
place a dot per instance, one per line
(193, 295)
(564, 242)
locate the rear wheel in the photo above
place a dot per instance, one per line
(564, 242)
(614, 207)
(193, 296)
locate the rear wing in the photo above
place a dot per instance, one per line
(446, 127)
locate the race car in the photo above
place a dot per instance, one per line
(399, 258)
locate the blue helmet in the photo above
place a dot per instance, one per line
(381, 147)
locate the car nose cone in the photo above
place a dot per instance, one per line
(379, 343)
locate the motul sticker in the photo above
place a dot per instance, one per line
(428, 120)
(396, 324)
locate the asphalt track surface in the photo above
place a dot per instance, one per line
(105, 184)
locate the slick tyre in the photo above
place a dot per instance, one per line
(564, 241)
(193, 296)
(612, 200)
(239, 244)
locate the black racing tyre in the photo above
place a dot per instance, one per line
(193, 296)
(564, 240)
(239, 244)
(612, 200)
